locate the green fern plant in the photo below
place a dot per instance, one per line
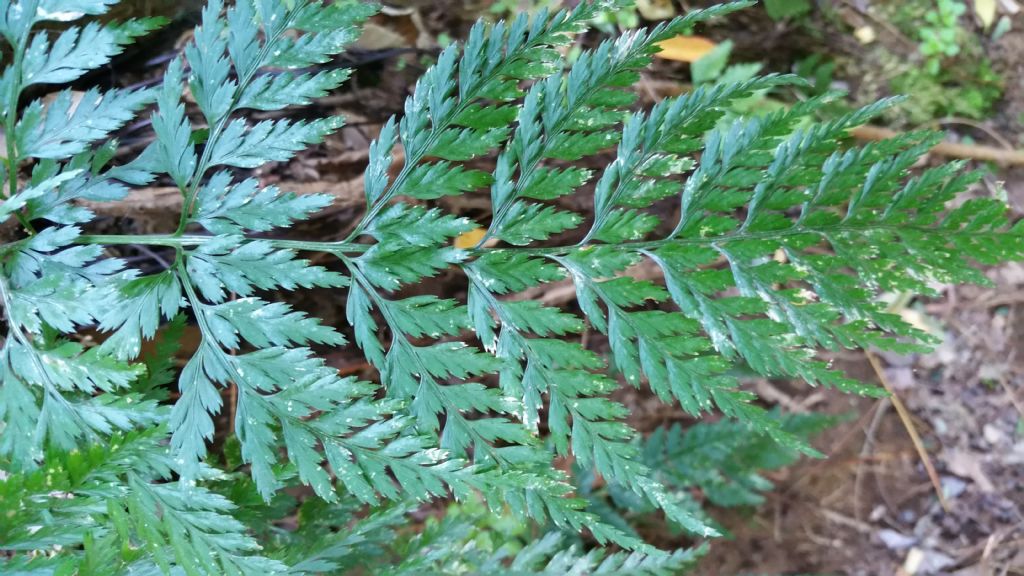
(707, 465)
(771, 238)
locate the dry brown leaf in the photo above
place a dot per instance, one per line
(656, 9)
(379, 37)
(967, 464)
(685, 48)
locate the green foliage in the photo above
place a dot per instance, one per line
(940, 39)
(948, 94)
(722, 461)
(470, 541)
(770, 238)
(949, 75)
(782, 9)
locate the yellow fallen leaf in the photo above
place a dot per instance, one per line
(685, 48)
(986, 12)
(470, 239)
(656, 9)
(865, 34)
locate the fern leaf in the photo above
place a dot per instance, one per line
(437, 120)
(170, 520)
(762, 239)
(227, 264)
(77, 50)
(64, 127)
(224, 207)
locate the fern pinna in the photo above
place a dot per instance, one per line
(771, 236)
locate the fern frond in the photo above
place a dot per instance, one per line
(175, 525)
(459, 111)
(459, 544)
(73, 489)
(765, 239)
(724, 459)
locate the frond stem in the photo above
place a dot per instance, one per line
(10, 123)
(341, 249)
(183, 241)
(824, 231)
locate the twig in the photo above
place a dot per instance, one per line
(1010, 6)
(869, 445)
(950, 149)
(151, 254)
(997, 301)
(999, 138)
(911, 429)
(233, 388)
(844, 520)
(835, 449)
(1012, 395)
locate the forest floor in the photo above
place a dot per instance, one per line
(870, 507)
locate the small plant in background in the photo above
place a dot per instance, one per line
(933, 97)
(505, 8)
(722, 461)
(771, 238)
(942, 37)
(782, 9)
(948, 74)
(619, 19)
